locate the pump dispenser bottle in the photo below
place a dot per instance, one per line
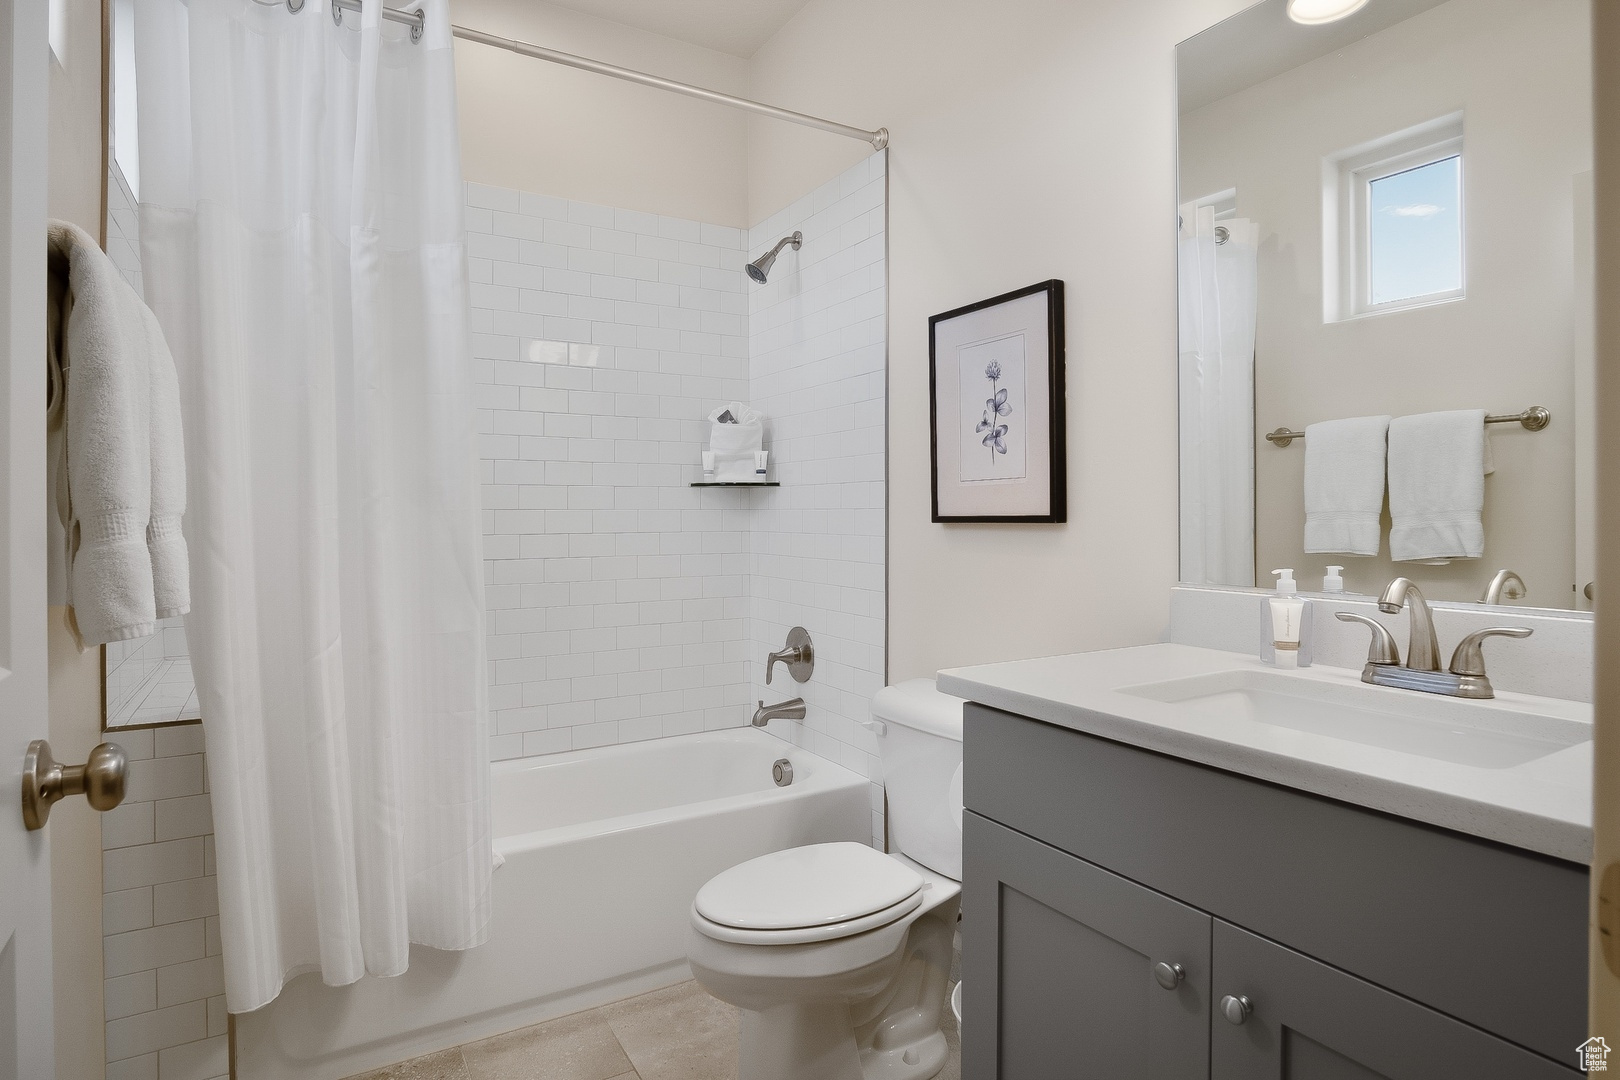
(1286, 618)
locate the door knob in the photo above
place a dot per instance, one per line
(1236, 1009)
(45, 780)
(1169, 976)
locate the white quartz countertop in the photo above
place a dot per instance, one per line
(1543, 804)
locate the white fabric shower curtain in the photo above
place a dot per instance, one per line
(1218, 307)
(302, 245)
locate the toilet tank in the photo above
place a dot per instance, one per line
(921, 751)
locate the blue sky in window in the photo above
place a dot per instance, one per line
(1415, 237)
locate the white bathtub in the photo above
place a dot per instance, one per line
(604, 851)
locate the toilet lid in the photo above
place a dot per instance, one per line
(806, 886)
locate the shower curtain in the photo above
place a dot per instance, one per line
(1218, 298)
(302, 245)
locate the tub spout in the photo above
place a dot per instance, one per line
(792, 709)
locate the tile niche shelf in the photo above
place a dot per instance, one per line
(736, 483)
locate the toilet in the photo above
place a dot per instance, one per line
(837, 954)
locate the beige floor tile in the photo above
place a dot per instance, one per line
(445, 1065)
(578, 1047)
(678, 1033)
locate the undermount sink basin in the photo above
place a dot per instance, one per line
(1493, 735)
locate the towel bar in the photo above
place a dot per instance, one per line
(1532, 419)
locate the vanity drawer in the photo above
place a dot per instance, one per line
(1486, 933)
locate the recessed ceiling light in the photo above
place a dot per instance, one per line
(1316, 12)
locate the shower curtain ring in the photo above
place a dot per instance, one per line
(295, 6)
(337, 13)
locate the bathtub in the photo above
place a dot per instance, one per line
(604, 851)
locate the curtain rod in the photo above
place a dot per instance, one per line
(879, 138)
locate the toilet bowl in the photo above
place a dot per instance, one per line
(839, 955)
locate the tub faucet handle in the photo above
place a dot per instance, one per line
(799, 656)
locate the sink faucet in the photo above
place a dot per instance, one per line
(1466, 677)
(791, 709)
(1423, 650)
(1506, 585)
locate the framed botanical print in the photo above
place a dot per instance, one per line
(995, 387)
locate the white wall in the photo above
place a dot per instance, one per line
(165, 990)
(534, 126)
(817, 370)
(617, 594)
(1030, 139)
(1522, 75)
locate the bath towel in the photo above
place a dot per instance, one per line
(1437, 471)
(116, 444)
(1344, 485)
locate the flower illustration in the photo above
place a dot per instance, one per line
(995, 406)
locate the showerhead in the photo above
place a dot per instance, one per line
(762, 265)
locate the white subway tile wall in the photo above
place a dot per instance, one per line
(818, 356)
(623, 604)
(617, 594)
(165, 977)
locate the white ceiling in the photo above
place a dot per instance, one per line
(738, 27)
(1262, 42)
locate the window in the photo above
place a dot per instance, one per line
(1393, 229)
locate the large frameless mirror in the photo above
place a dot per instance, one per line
(1385, 216)
(146, 681)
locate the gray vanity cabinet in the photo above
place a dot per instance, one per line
(1085, 944)
(1308, 1021)
(1366, 945)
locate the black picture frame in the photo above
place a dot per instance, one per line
(1038, 503)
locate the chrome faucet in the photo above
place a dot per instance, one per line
(1506, 585)
(1466, 677)
(791, 709)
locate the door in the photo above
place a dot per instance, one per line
(26, 1037)
(1279, 1015)
(1059, 967)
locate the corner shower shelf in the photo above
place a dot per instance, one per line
(736, 483)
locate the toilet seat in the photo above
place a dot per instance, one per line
(808, 935)
(814, 893)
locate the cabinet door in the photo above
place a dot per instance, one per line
(1309, 1021)
(1058, 963)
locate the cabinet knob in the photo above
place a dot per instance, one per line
(1236, 1009)
(1169, 976)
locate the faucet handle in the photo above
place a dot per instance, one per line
(1382, 650)
(1469, 660)
(799, 656)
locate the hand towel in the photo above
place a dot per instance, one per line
(1437, 486)
(115, 426)
(1344, 485)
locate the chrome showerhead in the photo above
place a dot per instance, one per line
(762, 265)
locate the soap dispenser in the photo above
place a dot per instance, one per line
(1285, 623)
(1333, 580)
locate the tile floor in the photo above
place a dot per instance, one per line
(678, 1033)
